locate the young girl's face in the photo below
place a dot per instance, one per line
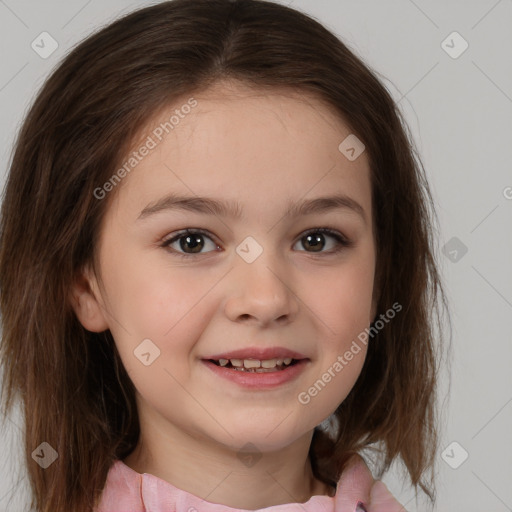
(255, 280)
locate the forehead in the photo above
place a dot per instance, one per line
(260, 147)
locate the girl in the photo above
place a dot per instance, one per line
(217, 272)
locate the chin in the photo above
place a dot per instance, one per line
(266, 437)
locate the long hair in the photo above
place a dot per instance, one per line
(75, 393)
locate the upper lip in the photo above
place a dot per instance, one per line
(259, 353)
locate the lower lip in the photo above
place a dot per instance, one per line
(256, 380)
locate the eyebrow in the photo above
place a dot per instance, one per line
(210, 206)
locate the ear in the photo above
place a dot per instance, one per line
(87, 303)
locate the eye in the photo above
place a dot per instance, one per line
(189, 240)
(315, 239)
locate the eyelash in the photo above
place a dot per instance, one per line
(343, 243)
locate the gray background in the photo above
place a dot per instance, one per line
(460, 114)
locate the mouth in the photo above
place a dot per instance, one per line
(256, 365)
(255, 374)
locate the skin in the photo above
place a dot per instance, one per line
(262, 150)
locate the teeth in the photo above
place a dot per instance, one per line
(256, 363)
(251, 363)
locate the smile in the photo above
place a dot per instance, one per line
(257, 374)
(256, 365)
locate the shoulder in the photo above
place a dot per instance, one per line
(122, 490)
(357, 486)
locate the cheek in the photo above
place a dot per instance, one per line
(342, 299)
(171, 307)
(151, 298)
(161, 314)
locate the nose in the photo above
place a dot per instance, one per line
(261, 293)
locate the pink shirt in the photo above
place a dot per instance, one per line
(128, 491)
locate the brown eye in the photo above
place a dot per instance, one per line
(189, 243)
(315, 240)
(193, 242)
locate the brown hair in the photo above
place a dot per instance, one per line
(75, 392)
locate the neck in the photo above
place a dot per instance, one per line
(221, 475)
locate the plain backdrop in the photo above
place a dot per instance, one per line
(455, 91)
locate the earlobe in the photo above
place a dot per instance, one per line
(85, 300)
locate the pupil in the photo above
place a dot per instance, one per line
(194, 241)
(315, 241)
